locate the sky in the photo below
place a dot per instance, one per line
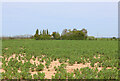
(99, 18)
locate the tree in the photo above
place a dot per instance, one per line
(47, 31)
(40, 33)
(69, 30)
(74, 35)
(68, 35)
(78, 35)
(53, 34)
(85, 32)
(64, 32)
(57, 36)
(44, 32)
(114, 38)
(36, 36)
(74, 29)
(37, 31)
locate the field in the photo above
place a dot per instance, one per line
(59, 59)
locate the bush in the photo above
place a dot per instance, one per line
(90, 37)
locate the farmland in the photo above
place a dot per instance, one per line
(59, 59)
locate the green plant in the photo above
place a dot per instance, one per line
(40, 67)
(73, 50)
(41, 75)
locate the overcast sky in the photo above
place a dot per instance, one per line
(99, 18)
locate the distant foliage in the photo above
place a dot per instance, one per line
(43, 35)
(56, 35)
(114, 38)
(36, 36)
(75, 35)
(66, 35)
(90, 37)
(64, 32)
(47, 31)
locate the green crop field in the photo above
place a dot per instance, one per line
(75, 59)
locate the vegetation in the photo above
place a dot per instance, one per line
(103, 52)
(40, 67)
(71, 47)
(66, 35)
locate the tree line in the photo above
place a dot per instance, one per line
(67, 34)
